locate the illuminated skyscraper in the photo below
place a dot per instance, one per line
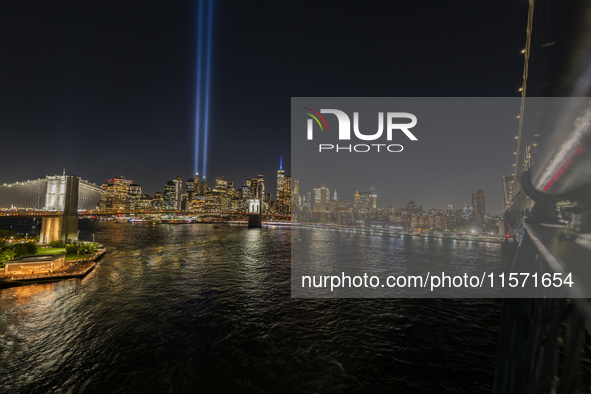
(246, 191)
(169, 196)
(134, 196)
(479, 205)
(260, 187)
(287, 195)
(280, 180)
(116, 194)
(411, 207)
(192, 187)
(203, 187)
(373, 198)
(158, 201)
(254, 188)
(296, 198)
(365, 201)
(178, 192)
(467, 212)
(321, 198)
(221, 185)
(219, 194)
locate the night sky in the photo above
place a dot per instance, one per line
(108, 88)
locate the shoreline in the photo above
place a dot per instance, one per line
(496, 240)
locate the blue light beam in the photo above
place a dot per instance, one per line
(199, 77)
(207, 86)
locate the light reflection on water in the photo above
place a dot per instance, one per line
(318, 252)
(191, 307)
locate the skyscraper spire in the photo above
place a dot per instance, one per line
(280, 180)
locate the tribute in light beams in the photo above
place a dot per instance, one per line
(204, 33)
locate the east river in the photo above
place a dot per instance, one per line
(199, 308)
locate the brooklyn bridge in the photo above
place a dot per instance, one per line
(58, 198)
(46, 195)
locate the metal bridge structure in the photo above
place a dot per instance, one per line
(58, 199)
(33, 195)
(544, 340)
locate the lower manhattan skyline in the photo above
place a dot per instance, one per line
(185, 189)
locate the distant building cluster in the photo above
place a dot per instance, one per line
(121, 194)
(319, 206)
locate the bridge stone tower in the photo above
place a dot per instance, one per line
(61, 196)
(255, 213)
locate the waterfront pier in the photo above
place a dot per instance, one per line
(72, 269)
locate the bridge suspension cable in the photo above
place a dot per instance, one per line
(32, 195)
(27, 195)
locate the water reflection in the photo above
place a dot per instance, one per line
(191, 307)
